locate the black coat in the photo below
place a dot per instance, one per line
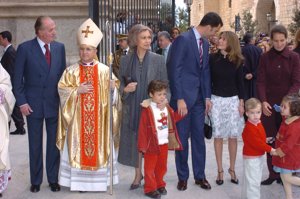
(252, 55)
(8, 60)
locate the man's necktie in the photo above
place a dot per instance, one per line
(201, 50)
(47, 54)
(124, 52)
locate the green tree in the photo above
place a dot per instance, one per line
(182, 19)
(165, 10)
(295, 25)
(247, 24)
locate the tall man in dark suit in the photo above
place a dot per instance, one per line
(8, 63)
(40, 63)
(189, 77)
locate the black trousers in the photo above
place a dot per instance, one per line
(17, 118)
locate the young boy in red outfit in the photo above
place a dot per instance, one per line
(157, 134)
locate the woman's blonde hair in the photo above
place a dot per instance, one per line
(134, 32)
(233, 47)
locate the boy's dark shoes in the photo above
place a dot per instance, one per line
(182, 185)
(153, 194)
(162, 191)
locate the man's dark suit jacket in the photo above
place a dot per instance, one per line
(8, 60)
(35, 83)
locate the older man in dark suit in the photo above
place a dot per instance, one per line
(8, 63)
(190, 85)
(40, 63)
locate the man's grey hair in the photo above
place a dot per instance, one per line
(164, 34)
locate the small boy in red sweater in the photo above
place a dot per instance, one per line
(255, 146)
(157, 134)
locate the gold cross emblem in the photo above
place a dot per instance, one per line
(87, 31)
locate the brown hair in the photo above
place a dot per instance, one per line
(233, 47)
(278, 29)
(293, 100)
(252, 103)
(156, 86)
(134, 32)
(297, 38)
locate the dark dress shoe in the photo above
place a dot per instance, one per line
(162, 191)
(153, 194)
(182, 185)
(18, 132)
(268, 181)
(35, 188)
(0, 195)
(203, 183)
(54, 187)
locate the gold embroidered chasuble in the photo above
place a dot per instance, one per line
(84, 118)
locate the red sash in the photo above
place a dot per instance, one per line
(89, 119)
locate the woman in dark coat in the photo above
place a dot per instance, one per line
(278, 74)
(138, 68)
(251, 54)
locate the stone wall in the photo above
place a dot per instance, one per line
(281, 11)
(19, 18)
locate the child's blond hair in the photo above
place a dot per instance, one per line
(252, 103)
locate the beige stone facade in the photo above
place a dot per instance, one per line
(280, 10)
(19, 16)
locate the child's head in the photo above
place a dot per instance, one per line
(290, 105)
(253, 110)
(157, 90)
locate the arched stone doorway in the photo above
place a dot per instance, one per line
(266, 14)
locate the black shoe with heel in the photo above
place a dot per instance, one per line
(135, 186)
(219, 179)
(234, 179)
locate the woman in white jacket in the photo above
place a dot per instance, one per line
(7, 102)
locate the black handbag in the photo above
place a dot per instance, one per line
(207, 128)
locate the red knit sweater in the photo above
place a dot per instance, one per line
(254, 138)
